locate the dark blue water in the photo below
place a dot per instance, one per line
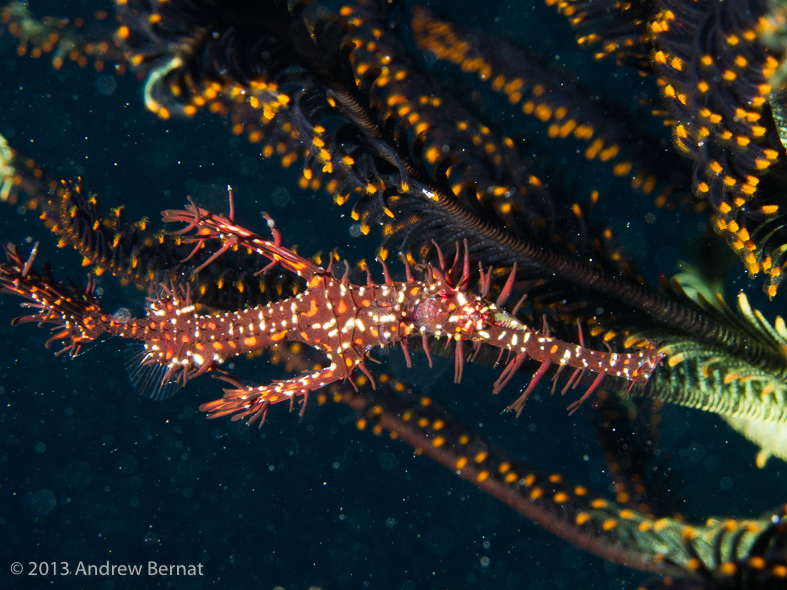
(91, 473)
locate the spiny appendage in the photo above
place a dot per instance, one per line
(73, 311)
(211, 226)
(343, 338)
(635, 367)
(249, 403)
(474, 318)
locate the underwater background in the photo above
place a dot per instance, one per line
(92, 472)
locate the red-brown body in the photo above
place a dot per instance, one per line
(343, 320)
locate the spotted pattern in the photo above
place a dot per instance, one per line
(345, 321)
